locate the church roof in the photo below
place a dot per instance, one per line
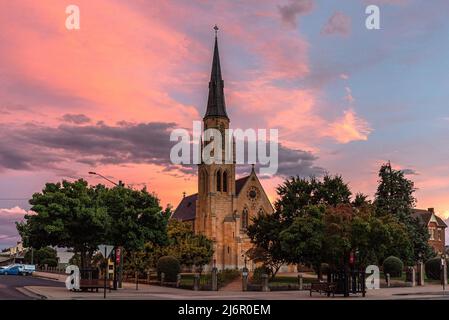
(424, 217)
(186, 209)
(216, 102)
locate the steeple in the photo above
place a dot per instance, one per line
(216, 106)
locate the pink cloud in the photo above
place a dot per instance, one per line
(349, 128)
(338, 23)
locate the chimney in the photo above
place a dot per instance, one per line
(431, 210)
(183, 195)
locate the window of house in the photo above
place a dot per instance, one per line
(432, 233)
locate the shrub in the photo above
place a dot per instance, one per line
(324, 268)
(393, 266)
(50, 262)
(433, 268)
(170, 266)
(258, 272)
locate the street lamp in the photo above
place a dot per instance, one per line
(119, 249)
(119, 184)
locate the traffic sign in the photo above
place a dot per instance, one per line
(105, 249)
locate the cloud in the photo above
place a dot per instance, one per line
(409, 172)
(76, 118)
(350, 128)
(294, 8)
(8, 232)
(338, 23)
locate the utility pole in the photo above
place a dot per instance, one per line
(117, 280)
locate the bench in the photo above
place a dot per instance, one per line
(327, 287)
(94, 284)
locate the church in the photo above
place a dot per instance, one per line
(223, 207)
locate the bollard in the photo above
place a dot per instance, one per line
(387, 278)
(196, 282)
(265, 287)
(214, 279)
(245, 279)
(178, 280)
(420, 274)
(300, 281)
(162, 278)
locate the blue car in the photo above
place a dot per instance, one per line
(13, 270)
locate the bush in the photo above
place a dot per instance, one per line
(393, 266)
(433, 268)
(50, 262)
(258, 272)
(324, 268)
(170, 266)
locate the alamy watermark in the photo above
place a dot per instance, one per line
(226, 146)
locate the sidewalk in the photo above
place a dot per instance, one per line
(147, 292)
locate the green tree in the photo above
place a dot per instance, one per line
(264, 234)
(394, 197)
(135, 218)
(297, 193)
(44, 255)
(67, 215)
(188, 248)
(304, 239)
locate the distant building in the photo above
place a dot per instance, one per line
(436, 227)
(14, 254)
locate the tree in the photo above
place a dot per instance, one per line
(42, 256)
(67, 215)
(304, 239)
(394, 197)
(297, 193)
(264, 234)
(188, 248)
(135, 218)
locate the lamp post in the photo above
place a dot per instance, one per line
(119, 249)
(443, 271)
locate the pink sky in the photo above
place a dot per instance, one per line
(104, 97)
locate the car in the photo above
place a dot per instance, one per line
(11, 270)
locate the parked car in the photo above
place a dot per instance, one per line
(18, 269)
(14, 270)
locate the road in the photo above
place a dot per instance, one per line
(9, 285)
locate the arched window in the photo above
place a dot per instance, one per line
(219, 180)
(261, 211)
(245, 218)
(205, 182)
(225, 181)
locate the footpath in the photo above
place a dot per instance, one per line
(231, 292)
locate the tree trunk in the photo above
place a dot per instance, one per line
(137, 280)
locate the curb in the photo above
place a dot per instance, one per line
(30, 293)
(47, 277)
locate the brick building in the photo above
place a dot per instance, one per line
(436, 227)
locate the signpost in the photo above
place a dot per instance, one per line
(105, 250)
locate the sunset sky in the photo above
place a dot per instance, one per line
(105, 98)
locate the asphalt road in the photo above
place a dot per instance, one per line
(9, 285)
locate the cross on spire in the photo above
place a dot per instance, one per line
(216, 30)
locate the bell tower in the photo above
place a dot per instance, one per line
(216, 181)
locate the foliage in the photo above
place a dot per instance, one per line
(258, 272)
(264, 234)
(42, 256)
(394, 197)
(433, 268)
(75, 260)
(74, 215)
(296, 194)
(394, 266)
(188, 248)
(67, 216)
(170, 266)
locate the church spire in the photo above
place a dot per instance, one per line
(216, 102)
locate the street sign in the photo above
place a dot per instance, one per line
(105, 249)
